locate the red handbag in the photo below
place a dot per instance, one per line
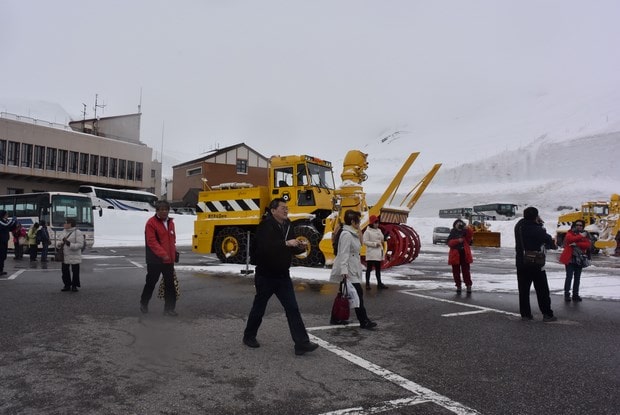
(340, 309)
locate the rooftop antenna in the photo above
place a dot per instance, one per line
(84, 112)
(102, 106)
(140, 103)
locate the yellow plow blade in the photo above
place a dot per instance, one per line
(492, 239)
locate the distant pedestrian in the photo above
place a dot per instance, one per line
(275, 245)
(160, 242)
(33, 245)
(373, 241)
(348, 266)
(19, 240)
(530, 235)
(576, 239)
(71, 241)
(459, 256)
(6, 226)
(43, 236)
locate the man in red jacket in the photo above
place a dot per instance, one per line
(160, 237)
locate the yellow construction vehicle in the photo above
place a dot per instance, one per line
(228, 214)
(592, 212)
(609, 226)
(483, 236)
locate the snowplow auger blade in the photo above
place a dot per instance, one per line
(490, 239)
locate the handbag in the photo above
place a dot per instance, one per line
(579, 258)
(21, 240)
(161, 293)
(59, 254)
(340, 308)
(532, 259)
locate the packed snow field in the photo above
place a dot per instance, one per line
(122, 228)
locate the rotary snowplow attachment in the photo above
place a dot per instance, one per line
(487, 238)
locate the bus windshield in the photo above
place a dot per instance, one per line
(67, 206)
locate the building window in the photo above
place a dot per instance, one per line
(94, 165)
(152, 173)
(74, 158)
(2, 151)
(14, 191)
(50, 158)
(194, 172)
(39, 157)
(131, 169)
(13, 154)
(139, 169)
(242, 166)
(26, 155)
(62, 160)
(84, 163)
(113, 167)
(122, 168)
(103, 167)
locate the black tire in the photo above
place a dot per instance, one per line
(313, 256)
(230, 245)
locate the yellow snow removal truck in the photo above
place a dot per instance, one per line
(228, 214)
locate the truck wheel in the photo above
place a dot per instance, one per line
(230, 245)
(313, 256)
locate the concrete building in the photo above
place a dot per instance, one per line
(238, 163)
(38, 155)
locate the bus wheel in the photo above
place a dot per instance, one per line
(230, 245)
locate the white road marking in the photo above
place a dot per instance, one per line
(443, 300)
(16, 274)
(423, 394)
(136, 264)
(464, 313)
(383, 407)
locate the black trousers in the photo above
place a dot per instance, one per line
(360, 312)
(525, 278)
(282, 287)
(153, 271)
(377, 266)
(67, 270)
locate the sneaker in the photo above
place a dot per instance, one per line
(305, 348)
(383, 287)
(549, 319)
(577, 298)
(144, 308)
(251, 342)
(567, 298)
(368, 325)
(170, 313)
(527, 318)
(342, 322)
(66, 288)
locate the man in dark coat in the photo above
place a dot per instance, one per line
(6, 226)
(530, 235)
(274, 247)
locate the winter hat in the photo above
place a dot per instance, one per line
(530, 213)
(456, 222)
(2, 213)
(373, 219)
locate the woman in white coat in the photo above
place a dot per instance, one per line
(71, 241)
(373, 241)
(347, 263)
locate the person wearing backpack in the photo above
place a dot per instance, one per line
(43, 237)
(33, 244)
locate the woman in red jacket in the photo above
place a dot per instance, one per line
(576, 238)
(460, 256)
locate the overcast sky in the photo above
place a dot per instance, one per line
(323, 76)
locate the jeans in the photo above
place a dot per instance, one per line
(282, 287)
(525, 278)
(572, 270)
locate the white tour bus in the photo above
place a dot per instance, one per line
(105, 198)
(54, 208)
